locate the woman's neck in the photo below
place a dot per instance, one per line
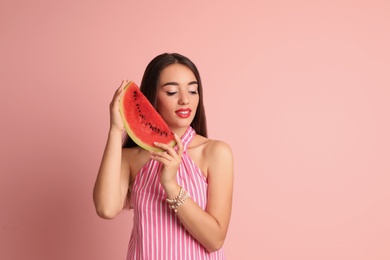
(179, 130)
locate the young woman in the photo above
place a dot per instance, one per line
(181, 197)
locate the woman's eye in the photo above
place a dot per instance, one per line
(171, 93)
(194, 92)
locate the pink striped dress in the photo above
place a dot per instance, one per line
(157, 231)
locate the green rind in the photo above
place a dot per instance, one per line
(131, 133)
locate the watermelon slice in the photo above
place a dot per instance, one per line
(142, 122)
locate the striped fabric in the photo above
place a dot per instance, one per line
(157, 231)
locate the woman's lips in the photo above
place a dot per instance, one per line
(183, 113)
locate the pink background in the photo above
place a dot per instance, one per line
(306, 83)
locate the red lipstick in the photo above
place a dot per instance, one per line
(183, 112)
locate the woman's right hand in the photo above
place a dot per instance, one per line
(116, 122)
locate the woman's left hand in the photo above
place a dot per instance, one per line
(171, 161)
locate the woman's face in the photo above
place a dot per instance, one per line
(177, 96)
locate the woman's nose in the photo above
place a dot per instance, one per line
(184, 100)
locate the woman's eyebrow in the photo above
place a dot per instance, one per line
(193, 83)
(177, 84)
(170, 83)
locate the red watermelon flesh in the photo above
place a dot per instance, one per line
(142, 122)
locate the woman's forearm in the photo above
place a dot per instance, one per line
(202, 226)
(107, 194)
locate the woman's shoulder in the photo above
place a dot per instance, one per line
(212, 147)
(213, 156)
(135, 157)
(133, 151)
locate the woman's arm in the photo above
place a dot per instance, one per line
(209, 227)
(113, 178)
(112, 182)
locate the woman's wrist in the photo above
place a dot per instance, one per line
(179, 200)
(115, 131)
(171, 189)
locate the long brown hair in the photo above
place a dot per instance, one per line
(150, 82)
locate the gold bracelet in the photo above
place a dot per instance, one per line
(175, 199)
(178, 200)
